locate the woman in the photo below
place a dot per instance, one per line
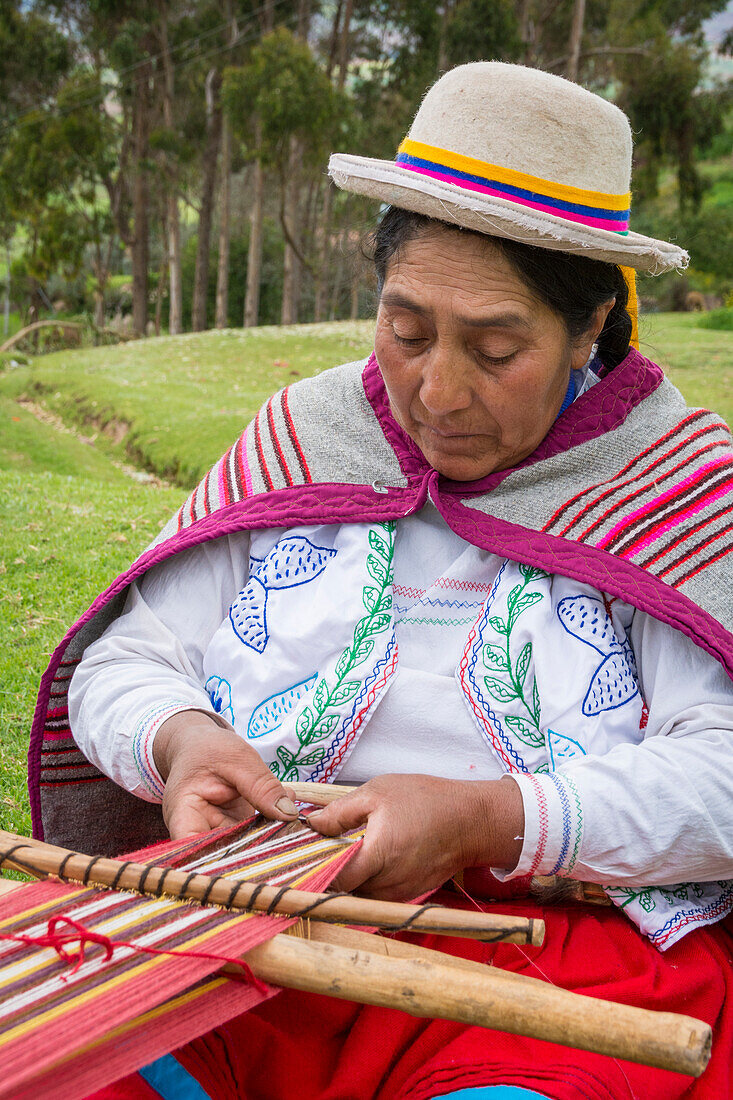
(484, 577)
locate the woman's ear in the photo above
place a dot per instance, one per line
(584, 344)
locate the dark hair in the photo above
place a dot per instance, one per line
(570, 284)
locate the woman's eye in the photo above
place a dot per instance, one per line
(408, 341)
(496, 360)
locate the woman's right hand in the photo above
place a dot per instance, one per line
(212, 777)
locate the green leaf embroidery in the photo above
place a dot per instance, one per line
(524, 731)
(320, 696)
(499, 625)
(495, 657)
(345, 692)
(499, 689)
(523, 663)
(536, 702)
(363, 650)
(370, 597)
(285, 755)
(530, 573)
(524, 602)
(542, 770)
(377, 569)
(377, 543)
(312, 758)
(306, 718)
(343, 664)
(324, 727)
(513, 595)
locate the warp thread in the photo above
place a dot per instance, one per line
(80, 937)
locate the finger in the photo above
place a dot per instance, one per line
(184, 820)
(249, 774)
(345, 813)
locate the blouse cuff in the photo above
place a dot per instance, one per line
(143, 737)
(553, 825)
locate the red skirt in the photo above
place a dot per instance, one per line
(317, 1048)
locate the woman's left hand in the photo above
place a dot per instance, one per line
(421, 830)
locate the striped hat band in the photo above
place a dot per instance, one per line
(594, 209)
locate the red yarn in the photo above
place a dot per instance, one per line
(82, 937)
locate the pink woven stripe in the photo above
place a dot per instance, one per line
(659, 501)
(567, 215)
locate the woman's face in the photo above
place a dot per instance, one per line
(476, 367)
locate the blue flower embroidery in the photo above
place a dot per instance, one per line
(292, 561)
(269, 715)
(614, 680)
(220, 693)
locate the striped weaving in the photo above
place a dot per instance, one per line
(592, 208)
(668, 510)
(51, 1016)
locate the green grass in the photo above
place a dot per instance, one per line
(699, 361)
(719, 319)
(71, 520)
(174, 404)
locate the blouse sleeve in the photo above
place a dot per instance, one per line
(655, 813)
(148, 664)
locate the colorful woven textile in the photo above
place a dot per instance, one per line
(66, 1029)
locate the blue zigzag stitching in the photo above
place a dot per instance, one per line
(485, 706)
(346, 724)
(698, 914)
(566, 820)
(436, 603)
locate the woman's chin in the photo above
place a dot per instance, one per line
(461, 467)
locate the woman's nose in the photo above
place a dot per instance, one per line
(444, 388)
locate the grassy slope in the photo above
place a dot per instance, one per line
(71, 521)
(185, 398)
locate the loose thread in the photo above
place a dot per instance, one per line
(83, 937)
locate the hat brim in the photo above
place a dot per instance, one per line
(390, 183)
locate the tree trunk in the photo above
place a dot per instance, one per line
(175, 315)
(576, 38)
(140, 200)
(203, 245)
(254, 252)
(291, 264)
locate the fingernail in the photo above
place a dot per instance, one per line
(286, 806)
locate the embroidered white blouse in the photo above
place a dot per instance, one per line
(657, 807)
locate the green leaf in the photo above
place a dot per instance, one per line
(314, 757)
(285, 755)
(498, 625)
(291, 775)
(344, 663)
(523, 603)
(274, 768)
(501, 691)
(363, 650)
(377, 569)
(324, 727)
(530, 573)
(371, 625)
(345, 692)
(526, 733)
(305, 721)
(542, 770)
(495, 657)
(523, 664)
(377, 543)
(321, 695)
(536, 709)
(370, 597)
(515, 592)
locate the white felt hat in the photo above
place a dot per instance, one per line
(519, 153)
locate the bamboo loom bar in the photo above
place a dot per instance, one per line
(358, 966)
(425, 983)
(22, 854)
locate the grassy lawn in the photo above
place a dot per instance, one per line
(72, 520)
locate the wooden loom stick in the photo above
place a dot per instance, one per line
(34, 856)
(472, 993)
